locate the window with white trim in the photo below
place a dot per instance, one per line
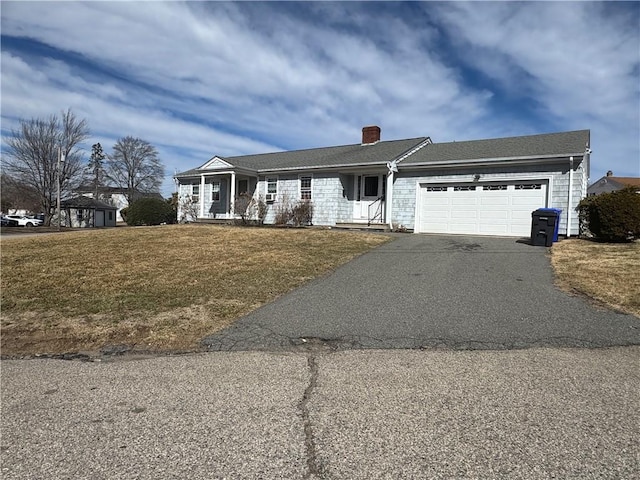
(305, 188)
(215, 191)
(195, 192)
(272, 189)
(272, 185)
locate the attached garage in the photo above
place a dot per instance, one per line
(502, 208)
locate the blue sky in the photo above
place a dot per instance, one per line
(198, 79)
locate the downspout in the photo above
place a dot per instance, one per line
(569, 205)
(393, 168)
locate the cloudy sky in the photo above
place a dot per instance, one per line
(198, 79)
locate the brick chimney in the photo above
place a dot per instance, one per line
(370, 135)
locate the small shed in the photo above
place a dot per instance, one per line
(86, 212)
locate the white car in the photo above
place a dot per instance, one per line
(24, 221)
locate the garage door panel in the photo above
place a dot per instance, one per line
(464, 214)
(439, 200)
(464, 200)
(497, 201)
(493, 229)
(484, 209)
(493, 215)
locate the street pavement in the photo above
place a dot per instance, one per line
(322, 414)
(430, 357)
(426, 291)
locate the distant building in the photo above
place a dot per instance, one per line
(609, 183)
(114, 196)
(86, 212)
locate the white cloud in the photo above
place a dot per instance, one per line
(207, 78)
(578, 61)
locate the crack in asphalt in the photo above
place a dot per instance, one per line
(313, 466)
(264, 339)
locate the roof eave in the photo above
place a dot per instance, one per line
(492, 161)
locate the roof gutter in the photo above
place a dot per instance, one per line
(492, 161)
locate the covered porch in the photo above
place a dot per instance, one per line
(213, 195)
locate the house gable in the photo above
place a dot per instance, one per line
(216, 163)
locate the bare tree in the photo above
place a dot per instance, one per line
(135, 167)
(32, 156)
(15, 195)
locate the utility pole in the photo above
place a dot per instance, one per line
(60, 160)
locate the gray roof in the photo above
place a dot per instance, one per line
(345, 155)
(86, 202)
(531, 146)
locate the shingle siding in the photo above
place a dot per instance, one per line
(330, 206)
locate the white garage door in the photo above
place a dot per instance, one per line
(480, 208)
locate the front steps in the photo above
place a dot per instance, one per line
(376, 227)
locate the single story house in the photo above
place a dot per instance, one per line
(112, 195)
(477, 187)
(83, 211)
(609, 183)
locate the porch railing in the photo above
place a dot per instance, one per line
(376, 205)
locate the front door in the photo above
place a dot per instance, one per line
(368, 188)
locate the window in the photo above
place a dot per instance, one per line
(436, 189)
(305, 188)
(79, 214)
(195, 193)
(529, 186)
(272, 185)
(215, 192)
(243, 186)
(464, 188)
(110, 215)
(370, 186)
(494, 187)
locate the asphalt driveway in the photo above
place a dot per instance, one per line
(433, 291)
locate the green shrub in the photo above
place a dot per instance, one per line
(150, 211)
(612, 217)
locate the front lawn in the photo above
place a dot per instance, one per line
(154, 288)
(607, 272)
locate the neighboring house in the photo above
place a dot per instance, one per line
(609, 183)
(478, 187)
(114, 196)
(87, 212)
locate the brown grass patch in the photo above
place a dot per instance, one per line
(607, 272)
(157, 288)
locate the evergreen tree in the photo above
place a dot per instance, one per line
(96, 169)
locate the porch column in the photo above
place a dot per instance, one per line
(388, 200)
(201, 196)
(232, 198)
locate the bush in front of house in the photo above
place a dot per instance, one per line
(612, 217)
(251, 210)
(150, 211)
(302, 213)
